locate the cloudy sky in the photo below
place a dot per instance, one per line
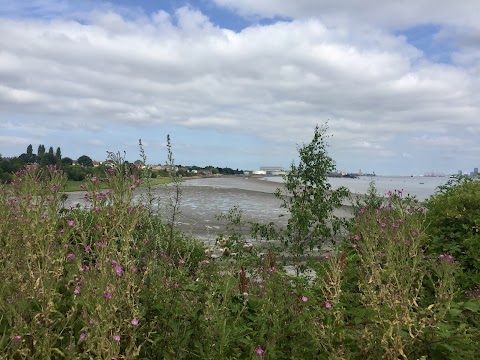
(241, 83)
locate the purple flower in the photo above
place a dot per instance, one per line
(118, 270)
(134, 322)
(107, 295)
(356, 237)
(260, 351)
(88, 248)
(70, 222)
(328, 305)
(83, 336)
(304, 298)
(17, 338)
(76, 291)
(91, 322)
(70, 256)
(116, 338)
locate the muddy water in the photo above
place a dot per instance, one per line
(202, 199)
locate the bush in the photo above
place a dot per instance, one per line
(453, 219)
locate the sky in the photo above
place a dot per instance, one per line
(243, 83)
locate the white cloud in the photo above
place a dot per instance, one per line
(273, 82)
(385, 13)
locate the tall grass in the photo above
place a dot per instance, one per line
(111, 280)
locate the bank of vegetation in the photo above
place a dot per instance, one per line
(113, 280)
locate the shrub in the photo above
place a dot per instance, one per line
(453, 219)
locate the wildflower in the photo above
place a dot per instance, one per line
(91, 322)
(84, 267)
(181, 262)
(118, 270)
(356, 237)
(76, 291)
(328, 305)
(70, 256)
(132, 186)
(383, 225)
(88, 248)
(134, 322)
(70, 222)
(116, 338)
(107, 295)
(17, 338)
(354, 246)
(304, 298)
(260, 351)
(83, 336)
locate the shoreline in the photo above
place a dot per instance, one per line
(205, 198)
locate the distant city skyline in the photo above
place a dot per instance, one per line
(240, 84)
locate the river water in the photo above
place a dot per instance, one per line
(420, 186)
(203, 199)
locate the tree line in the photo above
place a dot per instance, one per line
(75, 170)
(78, 169)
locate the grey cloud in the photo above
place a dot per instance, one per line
(274, 81)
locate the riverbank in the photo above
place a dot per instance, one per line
(204, 198)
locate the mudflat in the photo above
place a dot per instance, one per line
(202, 199)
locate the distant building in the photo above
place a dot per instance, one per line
(475, 171)
(460, 173)
(273, 170)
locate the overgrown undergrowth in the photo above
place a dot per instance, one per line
(107, 282)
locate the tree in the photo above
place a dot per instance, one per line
(50, 150)
(29, 157)
(85, 161)
(66, 161)
(310, 198)
(58, 154)
(41, 150)
(48, 159)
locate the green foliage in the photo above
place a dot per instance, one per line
(47, 159)
(396, 302)
(454, 226)
(85, 161)
(310, 199)
(58, 154)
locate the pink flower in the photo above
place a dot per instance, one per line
(76, 291)
(118, 270)
(304, 299)
(328, 305)
(260, 351)
(70, 256)
(107, 295)
(91, 322)
(83, 336)
(134, 322)
(88, 248)
(116, 338)
(132, 186)
(356, 237)
(17, 338)
(70, 222)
